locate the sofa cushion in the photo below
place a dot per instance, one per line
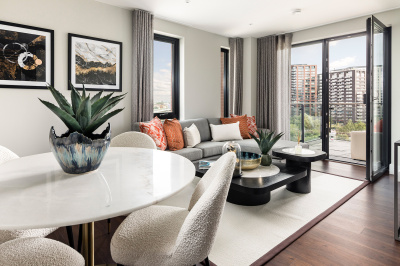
(202, 126)
(192, 154)
(210, 148)
(244, 131)
(155, 130)
(173, 131)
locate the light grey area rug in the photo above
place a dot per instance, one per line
(248, 233)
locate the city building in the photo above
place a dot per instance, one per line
(346, 91)
(304, 89)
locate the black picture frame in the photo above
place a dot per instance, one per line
(92, 81)
(26, 62)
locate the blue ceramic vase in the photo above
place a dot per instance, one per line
(77, 153)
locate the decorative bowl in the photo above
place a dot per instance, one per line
(77, 153)
(250, 160)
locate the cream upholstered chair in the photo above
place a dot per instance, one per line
(35, 251)
(6, 235)
(133, 139)
(164, 235)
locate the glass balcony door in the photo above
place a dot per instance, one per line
(378, 98)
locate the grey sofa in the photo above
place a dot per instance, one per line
(208, 149)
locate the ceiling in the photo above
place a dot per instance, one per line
(256, 18)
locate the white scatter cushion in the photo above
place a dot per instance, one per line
(225, 132)
(191, 136)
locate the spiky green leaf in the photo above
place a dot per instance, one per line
(112, 102)
(83, 92)
(96, 97)
(95, 124)
(100, 104)
(68, 120)
(82, 107)
(62, 102)
(75, 99)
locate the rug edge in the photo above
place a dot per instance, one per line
(285, 243)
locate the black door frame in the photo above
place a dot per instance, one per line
(387, 70)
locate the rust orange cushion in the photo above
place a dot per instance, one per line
(173, 130)
(251, 125)
(244, 131)
(155, 130)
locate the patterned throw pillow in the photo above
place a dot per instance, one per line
(251, 125)
(173, 130)
(244, 131)
(155, 130)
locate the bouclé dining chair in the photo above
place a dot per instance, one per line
(164, 235)
(35, 251)
(133, 139)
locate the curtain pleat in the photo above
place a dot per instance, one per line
(273, 83)
(235, 75)
(142, 69)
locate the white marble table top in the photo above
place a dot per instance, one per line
(36, 193)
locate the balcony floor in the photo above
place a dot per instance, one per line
(339, 150)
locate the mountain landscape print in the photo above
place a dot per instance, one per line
(95, 64)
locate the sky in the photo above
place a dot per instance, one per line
(162, 71)
(342, 53)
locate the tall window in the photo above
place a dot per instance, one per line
(224, 81)
(166, 77)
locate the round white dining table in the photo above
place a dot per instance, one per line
(36, 193)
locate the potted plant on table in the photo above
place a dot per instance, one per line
(79, 150)
(265, 142)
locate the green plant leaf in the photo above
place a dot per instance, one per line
(96, 97)
(98, 122)
(68, 120)
(62, 102)
(75, 99)
(82, 106)
(83, 92)
(112, 102)
(100, 104)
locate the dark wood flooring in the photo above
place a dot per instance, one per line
(360, 232)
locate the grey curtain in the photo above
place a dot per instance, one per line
(142, 69)
(273, 83)
(235, 75)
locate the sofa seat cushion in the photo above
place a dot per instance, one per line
(192, 154)
(210, 148)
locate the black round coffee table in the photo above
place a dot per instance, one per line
(300, 161)
(252, 191)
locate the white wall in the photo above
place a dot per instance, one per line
(389, 18)
(201, 76)
(25, 122)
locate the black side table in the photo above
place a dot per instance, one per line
(299, 160)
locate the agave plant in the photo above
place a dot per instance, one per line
(267, 140)
(85, 114)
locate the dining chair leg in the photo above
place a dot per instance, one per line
(109, 225)
(70, 236)
(207, 262)
(80, 239)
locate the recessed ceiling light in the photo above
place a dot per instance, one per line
(187, 1)
(251, 24)
(296, 11)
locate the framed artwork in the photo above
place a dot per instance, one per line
(95, 63)
(26, 56)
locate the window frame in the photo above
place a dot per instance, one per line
(226, 81)
(175, 76)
